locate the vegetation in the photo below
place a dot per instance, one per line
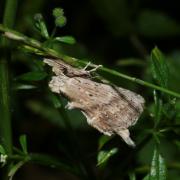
(40, 138)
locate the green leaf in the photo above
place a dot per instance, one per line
(23, 86)
(156, 137)
(53, 162)
(132, 176)
(158, 167)
(156, 24)
(2, 150)
(15, 168)
(169, 109)
(66, 39)
(159, 67)
(3, 160)
(33, 50)
(103, 156)
(41, 25)
(177, 144)
(158, 108)
(33, 76)
(146, 177)
(103, 140)
(23, 142)
(55, 100)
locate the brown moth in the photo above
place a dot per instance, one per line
(111, 110)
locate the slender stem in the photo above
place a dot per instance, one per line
(45, 160)
(40, 49)
(5, 112)
(141, 82)
(5, 120)
(10, 13)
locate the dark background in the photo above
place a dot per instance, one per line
(108, 32)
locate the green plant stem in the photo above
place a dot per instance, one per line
(5, 112)
(141, 82)
(52, 162)
(41, 50)
(45, 160)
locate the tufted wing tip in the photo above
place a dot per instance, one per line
(125, 135)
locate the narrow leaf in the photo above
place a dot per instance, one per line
(146, 177)
(2, 150)
(158, 167)
(33, 76)
(66, 39)
(15, 168)
(103, 140)
(3, 159)
(177, 144)
(159, 67)
(33, 50)
(103, 156)
(158, 108)
(41, 25)
(55, 100)
(23, 86)
(132, 176)
(23, 142)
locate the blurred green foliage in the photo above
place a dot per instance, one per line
(119, 34)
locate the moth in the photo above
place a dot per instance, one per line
(111, 110)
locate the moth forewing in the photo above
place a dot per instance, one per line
(111, 110)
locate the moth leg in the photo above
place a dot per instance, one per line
(95, 68)
(87, 65)
(124, 133)
(92, 70)
(73, 105)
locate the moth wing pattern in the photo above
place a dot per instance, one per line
(57, 65)
(111, 110)
(61, 68)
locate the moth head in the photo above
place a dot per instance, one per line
(57, 66)
(57, 83)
